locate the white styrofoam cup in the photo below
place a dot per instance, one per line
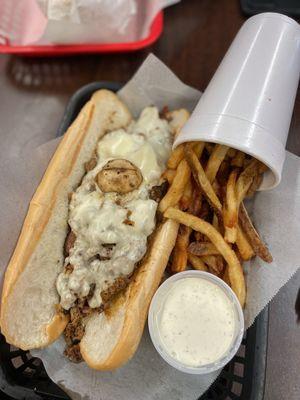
(249, 102)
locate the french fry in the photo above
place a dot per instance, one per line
(176, 189)
(197, 147)
(215, 222)
(223, 173)
(176, 156)
(243, 245)
(186, 198)
(230, 209)
(236, 275)
(260, 249)
(209, 147)
(257, 180)
(197, 263)
(238, 160)
(226, 276)
(231, 153)
(196, 202)
(214, 263)
(180, 254)
(169, 175)
(245, 179)
(202, 181)
(202, 249)
(217, 156)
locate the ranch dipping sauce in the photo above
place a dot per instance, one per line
(195, 321)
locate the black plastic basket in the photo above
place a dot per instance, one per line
(23, 377)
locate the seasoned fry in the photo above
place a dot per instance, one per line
(200, 237)
(180, 253)
(238, 160)
(169, 175)
(223, 173)
(231, 153)
(236, 275)
(243, 245)
(214, 262)
(202, 249)
(226, 276)
(197, 147)
(257, 180)
(230, 209)
(196, 202)
(176, 189)
(176, 156)
(245, 180)
(186, 198)
(215, 222)
(209, 147)
(197, 263)
(202, 181)
(217, 156)
(260, 249)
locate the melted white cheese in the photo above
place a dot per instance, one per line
(96, 218)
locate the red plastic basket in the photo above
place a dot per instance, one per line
(63, 50)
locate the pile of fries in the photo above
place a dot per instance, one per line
(207, 185)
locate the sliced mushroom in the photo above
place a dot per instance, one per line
(119, 176)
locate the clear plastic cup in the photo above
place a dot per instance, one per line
(154, 316)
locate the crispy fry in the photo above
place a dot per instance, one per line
(217, 156)
(230, 209)
(260, 249)
(231, 153)
(238, 160)
(197, 263)
(196, 202)
(198, 148)
(200, 237)
(223, 173)
(186, 198)
(236, 275)
(243, 245)
(226, 275)
(214, 262)
(169, 175)
(176, 189)
(180, 254)
(202, 181)
(245, 179)
(215, 222)
(202, 249)
(209, 147)
(257, 180)
(176, 156)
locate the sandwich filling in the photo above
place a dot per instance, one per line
(111, 216)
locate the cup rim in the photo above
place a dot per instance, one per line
(159, 346)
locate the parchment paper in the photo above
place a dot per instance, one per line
(147, 376)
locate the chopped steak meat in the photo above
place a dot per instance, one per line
(69, 243)
(90, 164)
(158, 192)
(73, 353)
(118, 285)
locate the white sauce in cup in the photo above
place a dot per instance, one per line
(196, 322)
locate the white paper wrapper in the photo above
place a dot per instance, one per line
(79, 21)
(147, 376)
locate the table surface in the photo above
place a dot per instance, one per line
(197, 33)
